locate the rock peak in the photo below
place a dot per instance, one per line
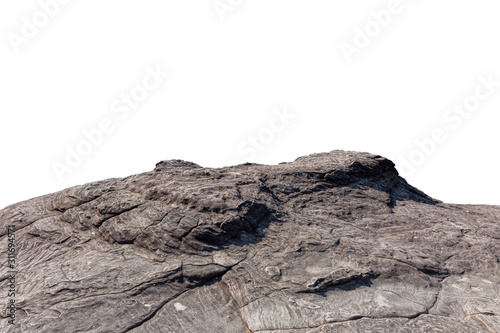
(168, 164)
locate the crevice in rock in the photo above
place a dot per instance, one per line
(153, 314)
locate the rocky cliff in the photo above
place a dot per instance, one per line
(332, 242)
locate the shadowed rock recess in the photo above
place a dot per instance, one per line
(332, 242)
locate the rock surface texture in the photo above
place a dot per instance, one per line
(332, 242)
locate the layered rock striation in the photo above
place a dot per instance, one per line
(332, 242)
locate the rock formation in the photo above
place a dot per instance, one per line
(332, 242)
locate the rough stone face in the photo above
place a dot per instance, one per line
(332, 242)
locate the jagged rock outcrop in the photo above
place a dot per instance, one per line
(332, 242)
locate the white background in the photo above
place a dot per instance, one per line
(229, 71)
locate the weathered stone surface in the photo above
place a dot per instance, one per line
(332, 242)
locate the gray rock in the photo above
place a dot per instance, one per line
(332, 242)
